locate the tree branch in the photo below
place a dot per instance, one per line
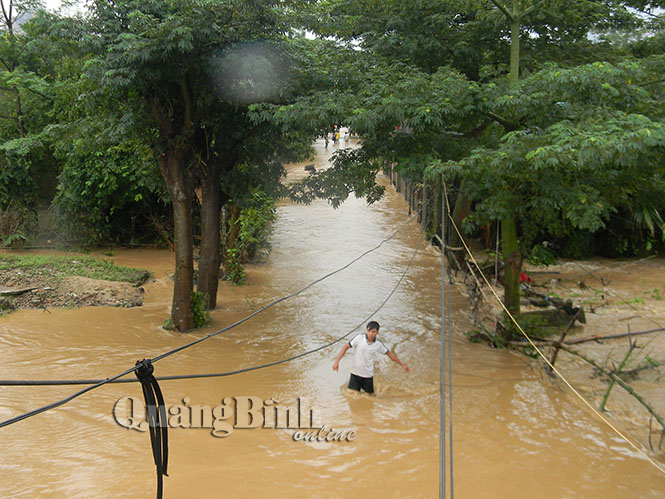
(502, 121)
(503, 9)
(543, 341)
(561, 338)
(163, 122)
(531, 8)
(617, 371)
(4, 14)
(612, 336)
(476, 131)
(39, 93)
(618, 381)
(651, 82)
(5, 64)
(650, 14)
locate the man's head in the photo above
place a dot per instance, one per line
(372, 330)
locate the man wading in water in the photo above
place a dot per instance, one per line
(365, 349)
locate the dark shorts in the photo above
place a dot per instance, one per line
(358, 382)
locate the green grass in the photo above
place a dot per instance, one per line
(543, 323)
(83, 266)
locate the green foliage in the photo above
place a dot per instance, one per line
(109, 196)
(27, 168)
(651, 362)
(201, 315)
(543, 323)
(15, 180)
(17, 221)
(14, 240)
(256, 221)
(632, 301)
(235, 271)
(542, 255)
(481, 334)
(564, 149)
(352, 172)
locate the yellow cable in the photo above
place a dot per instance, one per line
(554, 369)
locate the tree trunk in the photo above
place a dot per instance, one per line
(512, 260)
(180, 190)
(210, 257)
(512, 257)
(460, 212)
(515, 44)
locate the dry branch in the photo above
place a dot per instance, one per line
(618, 381)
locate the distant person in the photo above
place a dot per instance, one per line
(365, 350)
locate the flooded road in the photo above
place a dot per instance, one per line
(518, 433)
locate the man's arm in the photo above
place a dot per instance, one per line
(339, 357)
(392, 356)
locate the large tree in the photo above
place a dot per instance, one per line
(188, 71)
(547, 21)
(475, 120)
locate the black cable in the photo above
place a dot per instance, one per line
(65, 400)
(284, 298)
(157, 422)
(115, 379)
(215, 375)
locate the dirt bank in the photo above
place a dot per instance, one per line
(618, 297)
(43, 288)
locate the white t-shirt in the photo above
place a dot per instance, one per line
(364, 355)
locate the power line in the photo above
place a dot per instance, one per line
(222, 374)
(540, 353)
(450, 363)
(442, 401)
(116, 378)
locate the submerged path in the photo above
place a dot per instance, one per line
(517, 433)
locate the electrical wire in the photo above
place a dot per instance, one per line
(116, 379)
(554, 369)
(450, 365)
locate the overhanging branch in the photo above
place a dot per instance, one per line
(503, 9)
(532, 7)
(508, 125)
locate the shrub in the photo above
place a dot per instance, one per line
(17, 222)
(110, 196)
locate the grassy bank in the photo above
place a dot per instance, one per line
(65, 265)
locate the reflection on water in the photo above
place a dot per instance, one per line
(516, 434)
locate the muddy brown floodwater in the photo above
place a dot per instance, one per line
(517, 433)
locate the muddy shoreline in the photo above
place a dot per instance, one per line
(618, 297)
(45, 288)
